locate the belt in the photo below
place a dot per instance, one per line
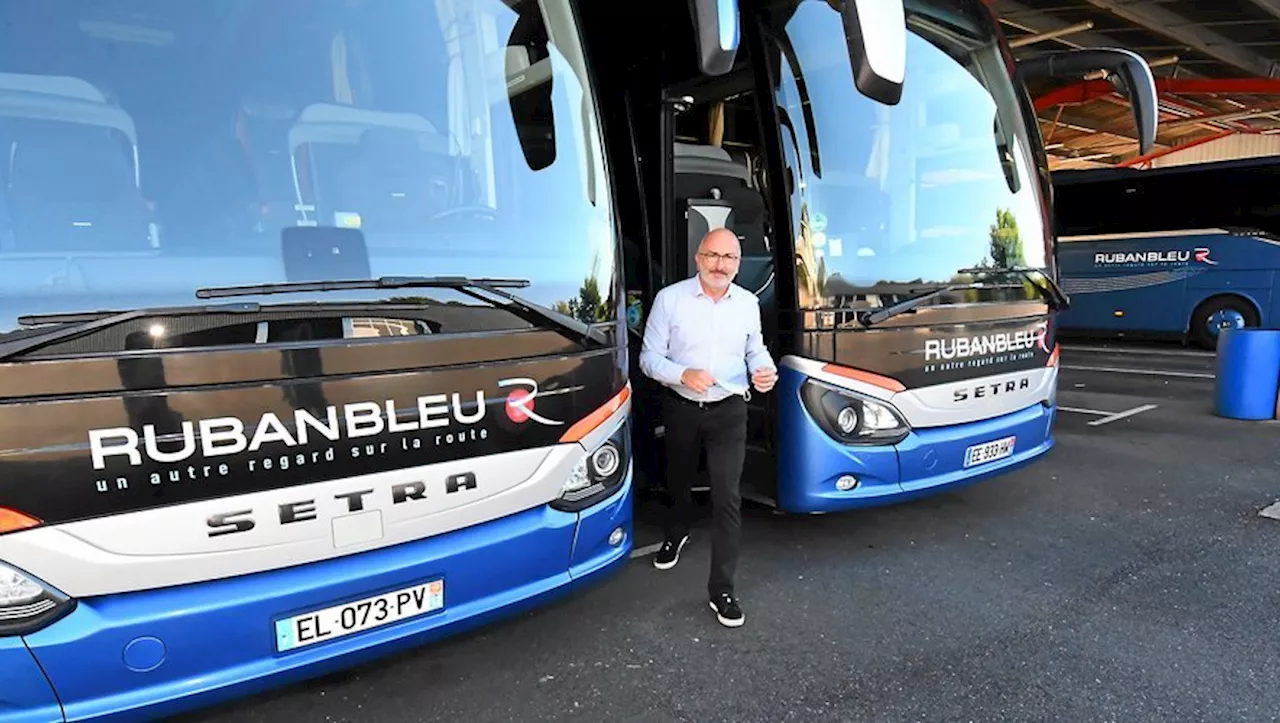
(677, 396)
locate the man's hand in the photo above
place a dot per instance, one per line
(764, 379)
(697, 380)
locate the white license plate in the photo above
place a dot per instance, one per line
(341, 620)
(988, 451)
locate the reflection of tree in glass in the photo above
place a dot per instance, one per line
(1004, 252)
(1006, 243)
(589, 307)
(423, 300)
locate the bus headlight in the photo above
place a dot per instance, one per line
(26, 604)
(598, 474)
(851, 417)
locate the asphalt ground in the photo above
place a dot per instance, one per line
(1127, 576)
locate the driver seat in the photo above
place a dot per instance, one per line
(393, 183)
(716, 192)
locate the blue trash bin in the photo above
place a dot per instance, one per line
(1248, 373)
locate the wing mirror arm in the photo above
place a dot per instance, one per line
(1125, 69)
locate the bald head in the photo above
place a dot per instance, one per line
(720, 240)
(718, 257)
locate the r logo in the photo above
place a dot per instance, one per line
(520, 402)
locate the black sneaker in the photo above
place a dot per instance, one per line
(669, 555)
(727, 610)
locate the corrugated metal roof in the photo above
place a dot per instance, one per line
(1222, 149)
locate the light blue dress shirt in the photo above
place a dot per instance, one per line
(687, 329)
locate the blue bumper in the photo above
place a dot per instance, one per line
(155, 653)
(25, 694)
(927, 462)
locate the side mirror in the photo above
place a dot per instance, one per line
(716, 22)
(876, 32)
(1124, 68)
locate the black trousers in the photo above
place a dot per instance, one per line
(720, 428)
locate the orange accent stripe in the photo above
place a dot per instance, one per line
(1053, 356)
(12, 521)
(587, 424)
(874, 380)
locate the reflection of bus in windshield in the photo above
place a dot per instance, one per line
(895, 234)
(362, 388)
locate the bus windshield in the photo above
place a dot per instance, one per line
(153, 148)
(893, 201)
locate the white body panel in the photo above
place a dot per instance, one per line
(973, 400)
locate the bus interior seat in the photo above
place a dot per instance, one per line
(715, 190)
(262, 130)
(75, 191)
(393, 182)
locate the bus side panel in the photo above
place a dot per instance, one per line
(1119, 298)
(1256, 286)
(25, 695)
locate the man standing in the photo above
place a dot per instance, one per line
(703, 342)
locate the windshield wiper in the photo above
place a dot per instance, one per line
(527, 310)
(82, 323)
(1052, 293)
(871, 318)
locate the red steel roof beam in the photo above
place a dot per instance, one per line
(1089, 90)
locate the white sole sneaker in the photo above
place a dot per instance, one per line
(726, 621)
(667, 566)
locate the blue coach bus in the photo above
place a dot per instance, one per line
(1179, 252)
(296, 363)
(896, 236)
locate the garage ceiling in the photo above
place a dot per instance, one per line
(1216, 63)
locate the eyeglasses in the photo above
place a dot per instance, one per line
(711, 256)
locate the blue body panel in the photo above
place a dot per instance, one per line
(215, 641)
(25, 695)
(1113, 291)
(927, 462)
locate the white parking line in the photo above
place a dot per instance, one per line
(1083, 411)
(1144, 352)
(646, 550)
(1145, 372)
(1272, 512)
(1122, 415)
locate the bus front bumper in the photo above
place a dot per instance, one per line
(927, 462)
(155, 653)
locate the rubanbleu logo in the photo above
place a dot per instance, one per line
(985, 349)
(221, 446)
(1146, 258)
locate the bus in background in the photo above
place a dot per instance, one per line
(310, 339)
(1180, 252)
(897, 234)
